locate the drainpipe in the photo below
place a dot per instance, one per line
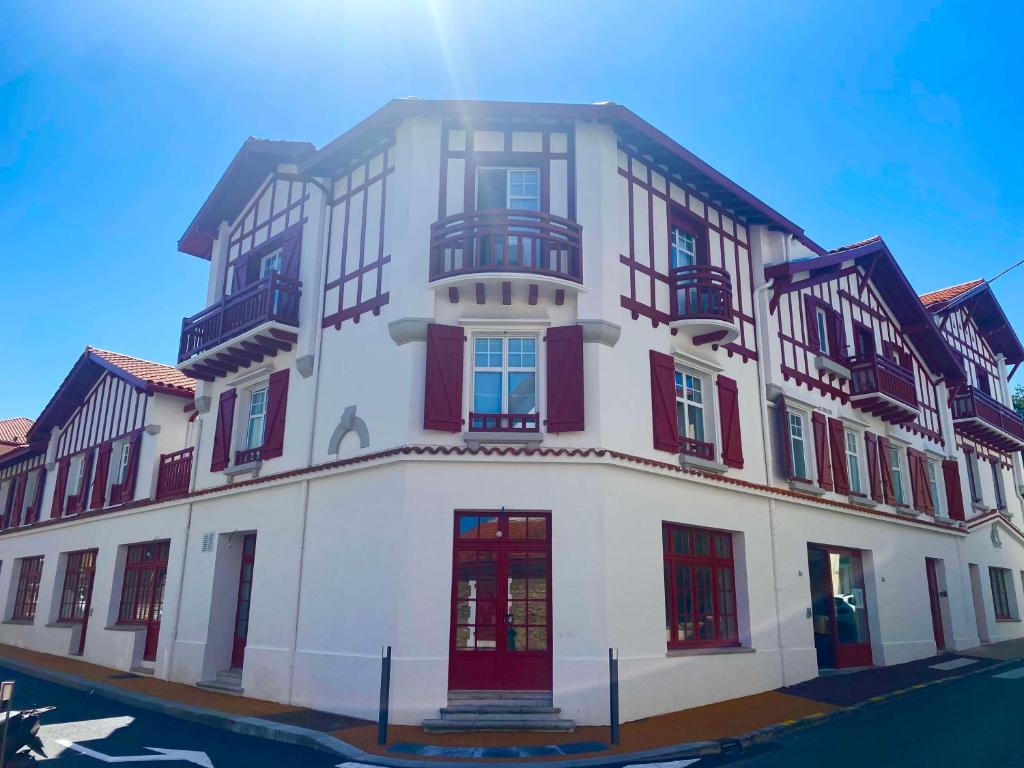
(761, 307)
(181, 591)
(298, 599)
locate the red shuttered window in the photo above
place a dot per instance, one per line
(145, 575)
(729, 419)
(442, 391)
(99, 486)
(837, 452)
(123, 489)
(79, 475)
(954, 491)
(277, 408)
(700, 587)
(221, 456)
(28, 589)
(663, 402)
(57, 507)
(564, 347)
(822, 451)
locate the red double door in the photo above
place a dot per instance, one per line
(241, 634)
(501, 602)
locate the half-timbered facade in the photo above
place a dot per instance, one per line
(515, 384)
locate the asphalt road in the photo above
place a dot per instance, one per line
(113, 729)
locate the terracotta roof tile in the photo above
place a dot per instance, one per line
(153, 373)
(14, 430)
(948, 294)
(851, 246)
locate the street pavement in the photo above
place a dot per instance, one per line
(101, 728)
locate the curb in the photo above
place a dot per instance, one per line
(323, 742)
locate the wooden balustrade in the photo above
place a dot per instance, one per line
(877, 375)
(504, 422)
(701, 292)
(972, 404)
(248, 455)
(529, 242)
(688, 446)
(271, 298)
(174, 474)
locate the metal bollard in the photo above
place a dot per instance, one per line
(385, 694)
(6, 704)
(613, 694)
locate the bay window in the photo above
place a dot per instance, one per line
(700, 587)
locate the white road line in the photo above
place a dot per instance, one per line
(954, 664)
(1012, 674)
(672, 764)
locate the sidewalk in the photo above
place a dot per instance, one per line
(702, 730)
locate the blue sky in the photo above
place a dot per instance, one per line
(851, 119)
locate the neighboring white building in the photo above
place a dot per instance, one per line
(504, 386)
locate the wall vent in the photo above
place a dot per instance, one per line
(207, 545)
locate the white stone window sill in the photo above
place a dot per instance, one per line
(21, 622)
(806, 487)
(253, 468)
(829, 365)
(476, 439)
(726, 650)
(864, 501)
(125, 627)
(696, 462)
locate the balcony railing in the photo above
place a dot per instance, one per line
(701, 292)
(504, 422)
(876, 375)
(972, 405)
(271, 298)
(523, 242)
(174, 474)
(698, 448)
(248, 455)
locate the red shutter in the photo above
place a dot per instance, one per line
(837, 447)
(914, 466)
(277, 407)
(222, 437)
(564, 346)
(32, 513)
(442, 387)
(57, 508)
(663, 402)
(871, 454)
(885, 469)
(954, 491)
(99, 487)
(18, 491)
(290, 251)
(126, 491)
(729, 418)
(9, 503)
(785, 445)
(838, 348)
(82, 499)
(822, 453)
(927, 502)
(812, 325)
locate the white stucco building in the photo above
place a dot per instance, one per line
(504, 386)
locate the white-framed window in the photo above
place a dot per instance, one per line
(935, 486)
(684, 248)
(896, 474)
(505, 374)
(853, 459)
(508, 188)
(797, 444)
(270, 262)
(997, 485)
(256, 419)
(974, 478)
(124, 451)
(821, 321)
(31, 484)
(691, 414)
(76, 470)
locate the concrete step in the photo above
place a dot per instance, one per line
(221, 686)
(473, 724)
(231, 675)
(500, 713)
(471, 695)
(142, 670)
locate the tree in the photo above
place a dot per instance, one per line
(1018, 399)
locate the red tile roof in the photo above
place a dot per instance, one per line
(851, 246)
(157, 374)
(948, 294)
(13, 431)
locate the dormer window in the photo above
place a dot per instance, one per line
(517, 189)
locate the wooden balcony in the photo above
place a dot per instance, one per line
(241, 329)
(701, 304)
(174, 474)
(488, 251)
(983, 418)
(883, 388)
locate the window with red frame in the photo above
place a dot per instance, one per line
(77, 583)
(700, 587)
(1002, 583)
(28, 589)
(145, 574)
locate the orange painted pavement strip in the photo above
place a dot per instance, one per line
(713, 721)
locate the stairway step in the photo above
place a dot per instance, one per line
(468, 724)
(464, 695)
(229, 675)
(498, 710)
(221, 686)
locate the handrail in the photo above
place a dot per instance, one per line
(871, 374)
(271, 298)
(500, 240)
(174, 473)
(701, 292)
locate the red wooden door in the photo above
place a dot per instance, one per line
(936, 606)
(142, 596)
(501, 602)
(244, 597)
(76, 597)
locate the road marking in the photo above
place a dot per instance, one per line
(163, 755)
(1013, 674)
(946, 666)
(672, 764)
